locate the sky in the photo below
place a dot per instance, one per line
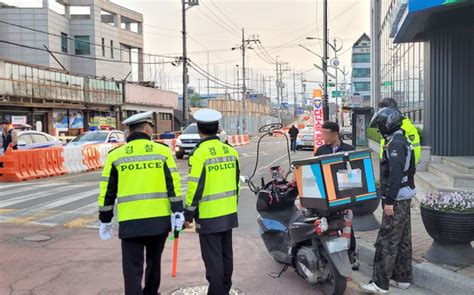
(215, 27)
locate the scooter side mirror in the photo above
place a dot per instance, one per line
(244, 178)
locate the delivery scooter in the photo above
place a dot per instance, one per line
(312, 243)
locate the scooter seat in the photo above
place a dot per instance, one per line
(284, 217)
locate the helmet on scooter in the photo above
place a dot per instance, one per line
(387, 121)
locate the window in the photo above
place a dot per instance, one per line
(39, 138)
(111, 49)
(361, 57)
(80, 12)
(362, 86)
(26, 138)
(64, 42)
(103, 47)
(57, 7)
(23, 3)
(361, 73)
(107, 17)
(82, 45)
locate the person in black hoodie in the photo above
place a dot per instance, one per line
(393, 247)
(334, 144)
(293, 132)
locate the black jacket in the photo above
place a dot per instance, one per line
(393, 165)
(293, 132)
(327, 149)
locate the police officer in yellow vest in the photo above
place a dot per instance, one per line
(142, 178)
(411, 133)
(212, 200)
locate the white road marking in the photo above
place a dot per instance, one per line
(38, 195)
(49, 205)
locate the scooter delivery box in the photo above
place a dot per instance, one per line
(335, 182)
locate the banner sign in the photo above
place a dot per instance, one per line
(318, 118)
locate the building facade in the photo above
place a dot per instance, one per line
(89, 37)
(61, 103)
(422, 57)
(361, 68)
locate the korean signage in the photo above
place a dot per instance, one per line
(318, 116)
(18, 120)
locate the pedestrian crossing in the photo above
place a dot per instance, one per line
(71, 203)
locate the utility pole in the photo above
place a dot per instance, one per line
(278, 84)
(244, 89)
(208, 75)
(294, 94)
(325, 61)
(245, 45)
(189, 4)
(264, 86)
(238, 87)
(270, 88)
(337, 89)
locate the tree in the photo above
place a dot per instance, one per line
(195, 100)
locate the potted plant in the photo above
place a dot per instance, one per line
(364, 218)
(449, 220)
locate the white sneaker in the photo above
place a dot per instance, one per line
(372, 288)
(399, 285)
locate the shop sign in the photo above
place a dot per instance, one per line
(318, 116)
(18, 120)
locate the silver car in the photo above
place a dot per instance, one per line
(29, 139)
(92, 137)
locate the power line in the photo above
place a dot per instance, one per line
(73, 39)
(226, 15)
(208, 74)
(266, 52)
(231, 30)
(317, 28)
(212, 80)
(83, 56)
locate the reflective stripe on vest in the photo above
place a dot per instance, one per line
(139, 159)
(141, 197)
(219, 196)
(219, 160)
(193, 179)
(106, 208)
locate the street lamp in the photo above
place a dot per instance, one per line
(334, 63)
(186, 4)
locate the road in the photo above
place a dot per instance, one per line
(64, 208)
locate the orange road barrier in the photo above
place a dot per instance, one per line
(22, 165)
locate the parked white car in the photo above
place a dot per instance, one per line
(29, 139)
(305, 138)
(92, 137)
(188, 140)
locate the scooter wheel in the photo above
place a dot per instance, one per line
(336, 284)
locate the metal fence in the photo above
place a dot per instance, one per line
(232, 123)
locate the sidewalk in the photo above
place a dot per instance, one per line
(421, 242)
(77, 262)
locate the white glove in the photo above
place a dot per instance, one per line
(177, 221)
(106, 231)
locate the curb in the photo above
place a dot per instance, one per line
(426, 275)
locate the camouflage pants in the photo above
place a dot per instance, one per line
(393, 251)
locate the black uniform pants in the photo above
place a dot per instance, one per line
(217, 253)
(132, 263)
(393, 249)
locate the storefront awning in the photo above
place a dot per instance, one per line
(411, 19)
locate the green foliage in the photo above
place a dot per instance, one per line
(374, 134)
(195, 100)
